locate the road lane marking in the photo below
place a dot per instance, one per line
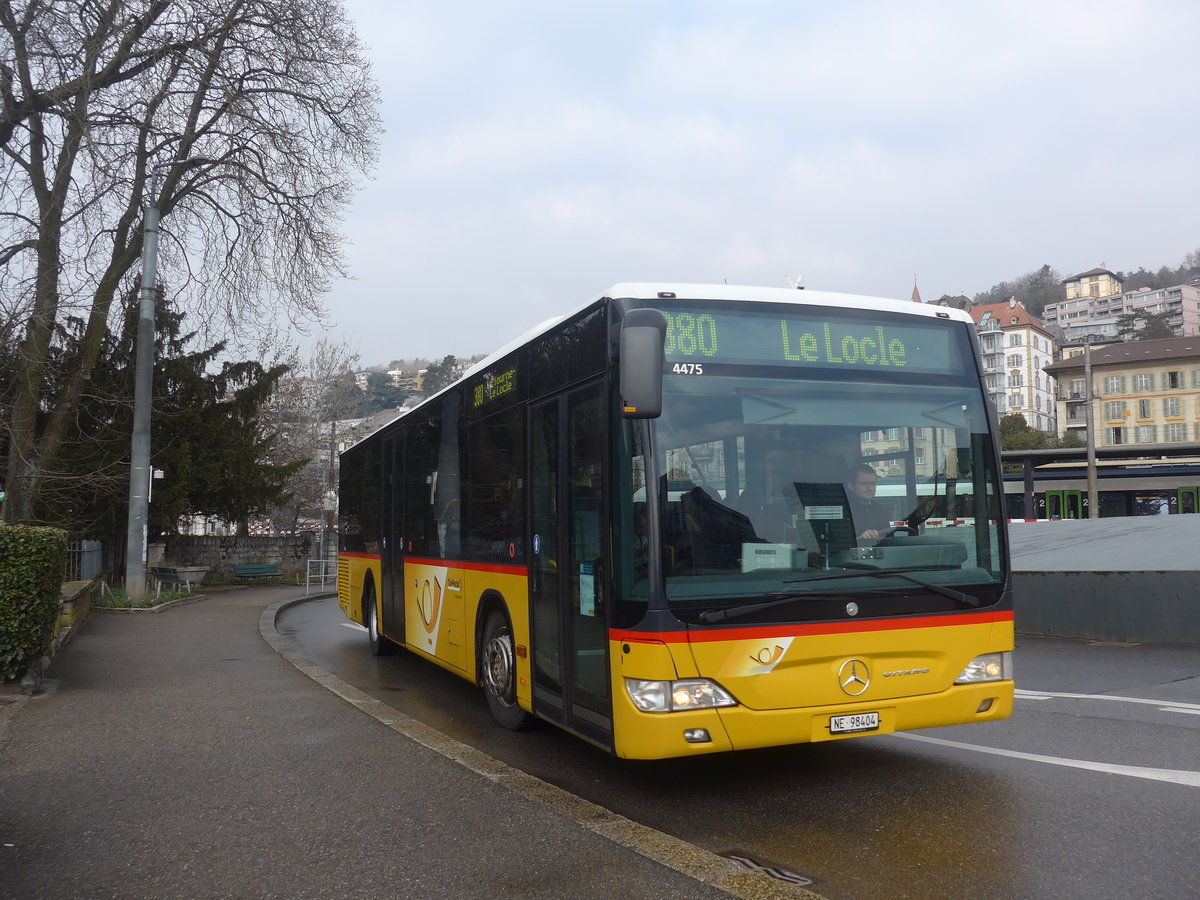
(1169, 705)
(1174, 776)
(353, 625)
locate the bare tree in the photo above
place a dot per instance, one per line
(247, 122)
(304, 413)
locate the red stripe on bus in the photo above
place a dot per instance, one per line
(450, 564)
(470, 566)
(800, 630)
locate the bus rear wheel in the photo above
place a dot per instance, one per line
(380, 646)
(499, 663)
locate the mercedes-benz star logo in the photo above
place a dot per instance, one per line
(854, 677)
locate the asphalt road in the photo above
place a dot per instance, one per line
(1092, 789)
(191, 752)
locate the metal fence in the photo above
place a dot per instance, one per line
(320, 571)
(85, 559)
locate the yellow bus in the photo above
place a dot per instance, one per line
(647, 523)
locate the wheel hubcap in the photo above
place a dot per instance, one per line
(498, 668)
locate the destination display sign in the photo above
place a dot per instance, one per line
(494, 386)
(816, 337)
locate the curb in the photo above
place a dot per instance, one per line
(701, 865)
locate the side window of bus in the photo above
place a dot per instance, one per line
(446, 483)
(419, 469)
(350, 537)
(495, 517)
(371, 522)
(570, 354)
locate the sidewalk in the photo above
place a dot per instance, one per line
(178, 754)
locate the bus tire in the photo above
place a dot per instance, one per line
(498, 660)
(380, 646)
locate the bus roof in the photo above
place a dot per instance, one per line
(649, 290)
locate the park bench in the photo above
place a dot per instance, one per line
(256, 572)
(177, 576)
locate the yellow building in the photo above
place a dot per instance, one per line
(1143, 392)
(1093, 283)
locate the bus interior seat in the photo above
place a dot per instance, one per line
(830, 535)
(708, 534)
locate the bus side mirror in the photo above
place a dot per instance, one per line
(643, 334)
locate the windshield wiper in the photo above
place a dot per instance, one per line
(709, 616)
(960, 596)
(951, 593)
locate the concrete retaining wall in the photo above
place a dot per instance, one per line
(1146, 607)
(1134, 578)
(77, 600)
(220, 554)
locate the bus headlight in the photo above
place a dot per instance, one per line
(989, 667)
(677, 696)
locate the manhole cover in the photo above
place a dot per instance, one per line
(776, 872)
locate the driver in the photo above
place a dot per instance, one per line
(870, 519)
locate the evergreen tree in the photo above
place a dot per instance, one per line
(381, 393)
(1033, 289)
(1073, 438)
(205, 437)
(1145, 326)
(1017, 434)
(439, 375)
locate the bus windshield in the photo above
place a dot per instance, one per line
(778, 471)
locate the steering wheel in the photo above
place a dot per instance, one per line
(906, 529)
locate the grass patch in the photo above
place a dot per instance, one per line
(118, 598)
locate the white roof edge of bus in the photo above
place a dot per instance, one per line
(649, 290)
(492, 357)
(513, 345)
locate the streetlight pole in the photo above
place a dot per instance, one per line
(143, 390)
(1089, 423)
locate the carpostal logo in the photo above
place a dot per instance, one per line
(429, 603)
(429, 588)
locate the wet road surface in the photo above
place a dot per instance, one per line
(1092, 789)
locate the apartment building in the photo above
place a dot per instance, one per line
(1098, 282)
(1016, 349)
(1088, 311)
(1144, 392)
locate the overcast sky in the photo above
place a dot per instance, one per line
(538, 152)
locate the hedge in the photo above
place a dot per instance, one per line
(32, 562)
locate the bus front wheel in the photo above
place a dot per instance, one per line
(499, 660)
(380, 646)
